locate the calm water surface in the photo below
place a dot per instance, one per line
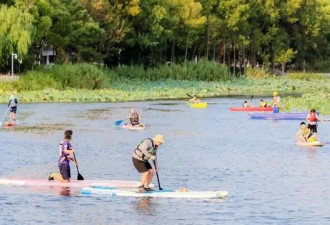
(270, 180)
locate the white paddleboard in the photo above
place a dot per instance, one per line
(72, 183)
(113, 192)
(128, 127)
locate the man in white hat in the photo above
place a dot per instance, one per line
(144, 151)
(12, 105)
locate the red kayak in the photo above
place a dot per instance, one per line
(251, 109)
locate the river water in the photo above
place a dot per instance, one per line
(270, 180)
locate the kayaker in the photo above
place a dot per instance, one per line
(134, 118)
(276, 102)
(12, 105)
(246, 104)
(305, 134)
(66, 154)
(143, 152)
(262, 104)
(312, 120)
(195, 100)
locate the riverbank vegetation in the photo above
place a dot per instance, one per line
(90, 83)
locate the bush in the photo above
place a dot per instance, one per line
(306, 76)
(80, 76)
(257, 73)
(202, 71)
(36, 80)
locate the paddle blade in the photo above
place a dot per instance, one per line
(117, 123)
(80, 177)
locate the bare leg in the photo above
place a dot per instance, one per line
(58, 177)
(144, 178)
(149, 177)
(12, 116)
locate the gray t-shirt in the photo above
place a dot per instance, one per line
(145, 150)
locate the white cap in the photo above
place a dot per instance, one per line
(12, 97)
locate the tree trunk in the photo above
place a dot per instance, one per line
(234, 60)
(283, 69)
(207, 39)
(224, 53)
(193, 55)
(186, 53)
(213, 50)
(173, 52)
(244, 61)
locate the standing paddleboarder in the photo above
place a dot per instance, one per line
(12, 105)
(143, 152)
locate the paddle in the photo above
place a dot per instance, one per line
(189, 95)
(4, 116)
(157, 175)
(251, 100)
(118, 122)
(79, 177)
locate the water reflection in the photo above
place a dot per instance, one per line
(144, 204)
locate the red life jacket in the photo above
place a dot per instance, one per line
(312, 118)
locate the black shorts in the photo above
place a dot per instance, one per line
(141, 166)
(313, 128)
(13, 110)
(65, 170)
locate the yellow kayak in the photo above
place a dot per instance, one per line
(313, 143)
(201, 105)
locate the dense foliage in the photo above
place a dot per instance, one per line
(153, 32)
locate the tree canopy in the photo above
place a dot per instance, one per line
(151, 32)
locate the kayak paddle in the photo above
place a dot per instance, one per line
(189, 95)
(118, 122)
(251, 98)
(157, 176)
(79, 177)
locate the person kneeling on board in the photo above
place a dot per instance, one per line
(195, 100)
(305, 135)
(312, 119)
(66, 154)
(143, 152)
(134, 118)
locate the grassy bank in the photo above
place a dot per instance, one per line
(86, 83)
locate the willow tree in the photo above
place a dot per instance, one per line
(16, 30)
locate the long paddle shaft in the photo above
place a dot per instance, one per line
(157, 175)
(190, 96)
(79, 176)
(251, 99)
(4, 116)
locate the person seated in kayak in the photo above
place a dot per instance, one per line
(262, 104)
(143, 152)
(246, 104)
(12, 105)
(134, 118)
(312, 120)
(276, 102)
(305, 134)
(195, 100)
(66, 154)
